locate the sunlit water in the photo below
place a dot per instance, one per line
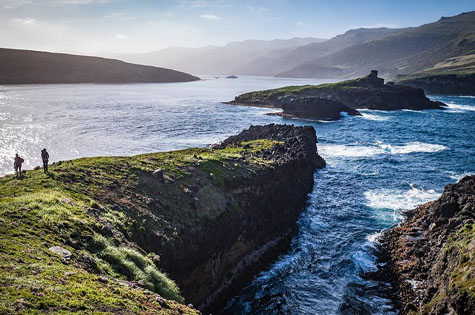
(378, 165)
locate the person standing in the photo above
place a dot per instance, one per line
(17, 164)
(45, 158)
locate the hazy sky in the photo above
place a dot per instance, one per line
(143, 25)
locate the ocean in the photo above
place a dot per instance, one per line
(378, 165)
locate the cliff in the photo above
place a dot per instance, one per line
(432, 254)
(445, 83)
(313, 108)
(36, 67)
(109, 233)
(366, 92)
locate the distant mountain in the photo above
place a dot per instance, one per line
(277, 61)
(36, 67)
(215, 59)
(406, 51)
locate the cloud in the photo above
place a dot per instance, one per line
(119, 16)
(120, 36)
(257, 9)
(210, 17)
(374, 26)
(24, 21)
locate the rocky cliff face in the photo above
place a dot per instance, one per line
(257, 214)
(432, 254)
(313, 108)
(447, 84)
(368, 92)
(208, 218)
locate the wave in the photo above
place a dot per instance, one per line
(340, 150)
(457, 108)
(399, 200)
(458, 176)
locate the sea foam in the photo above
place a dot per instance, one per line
(340, 150)
(399, 199)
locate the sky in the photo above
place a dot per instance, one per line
(134, 26)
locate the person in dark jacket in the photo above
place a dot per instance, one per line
(17, 165)
(45, 158)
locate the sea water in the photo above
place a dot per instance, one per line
(378, 165)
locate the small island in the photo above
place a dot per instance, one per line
(324, 100)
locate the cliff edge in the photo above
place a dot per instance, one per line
(150, 233)
(432, 254)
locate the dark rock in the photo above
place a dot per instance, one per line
(368, 92)
(314, 108)
(438, 259)
(158, 174)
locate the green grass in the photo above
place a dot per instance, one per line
(261, 96)
(71, 207)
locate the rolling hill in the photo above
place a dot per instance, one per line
(36, 67)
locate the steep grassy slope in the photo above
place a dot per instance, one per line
(411, 50)
(123, 225)
(35, 67)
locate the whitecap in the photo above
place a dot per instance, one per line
(374, 236)
(399, 200)
(413, 147)
(457, 108)
(341, 150)
(374, 117)
(458, 176)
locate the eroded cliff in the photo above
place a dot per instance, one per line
(432, 254)
(109, 233)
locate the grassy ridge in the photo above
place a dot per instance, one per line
(94, 207)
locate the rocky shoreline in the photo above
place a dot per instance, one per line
(430, 257)
(209, 218)
(443, 84)
(326, 101)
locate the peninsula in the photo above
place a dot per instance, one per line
(108, 234)
(322, 101)
(37, 67)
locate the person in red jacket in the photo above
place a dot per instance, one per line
(17, 164)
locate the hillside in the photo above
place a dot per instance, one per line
(219, 60)
(411, 50)
(35, 67)
(278, 61)
(108, 234)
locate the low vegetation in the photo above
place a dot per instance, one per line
(93, 208)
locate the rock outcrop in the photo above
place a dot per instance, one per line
(445, 84)
(432, 254)
(210, 218)
(313, 108)
(368, 92)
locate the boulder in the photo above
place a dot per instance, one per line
(158, 174)
(66, 254)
